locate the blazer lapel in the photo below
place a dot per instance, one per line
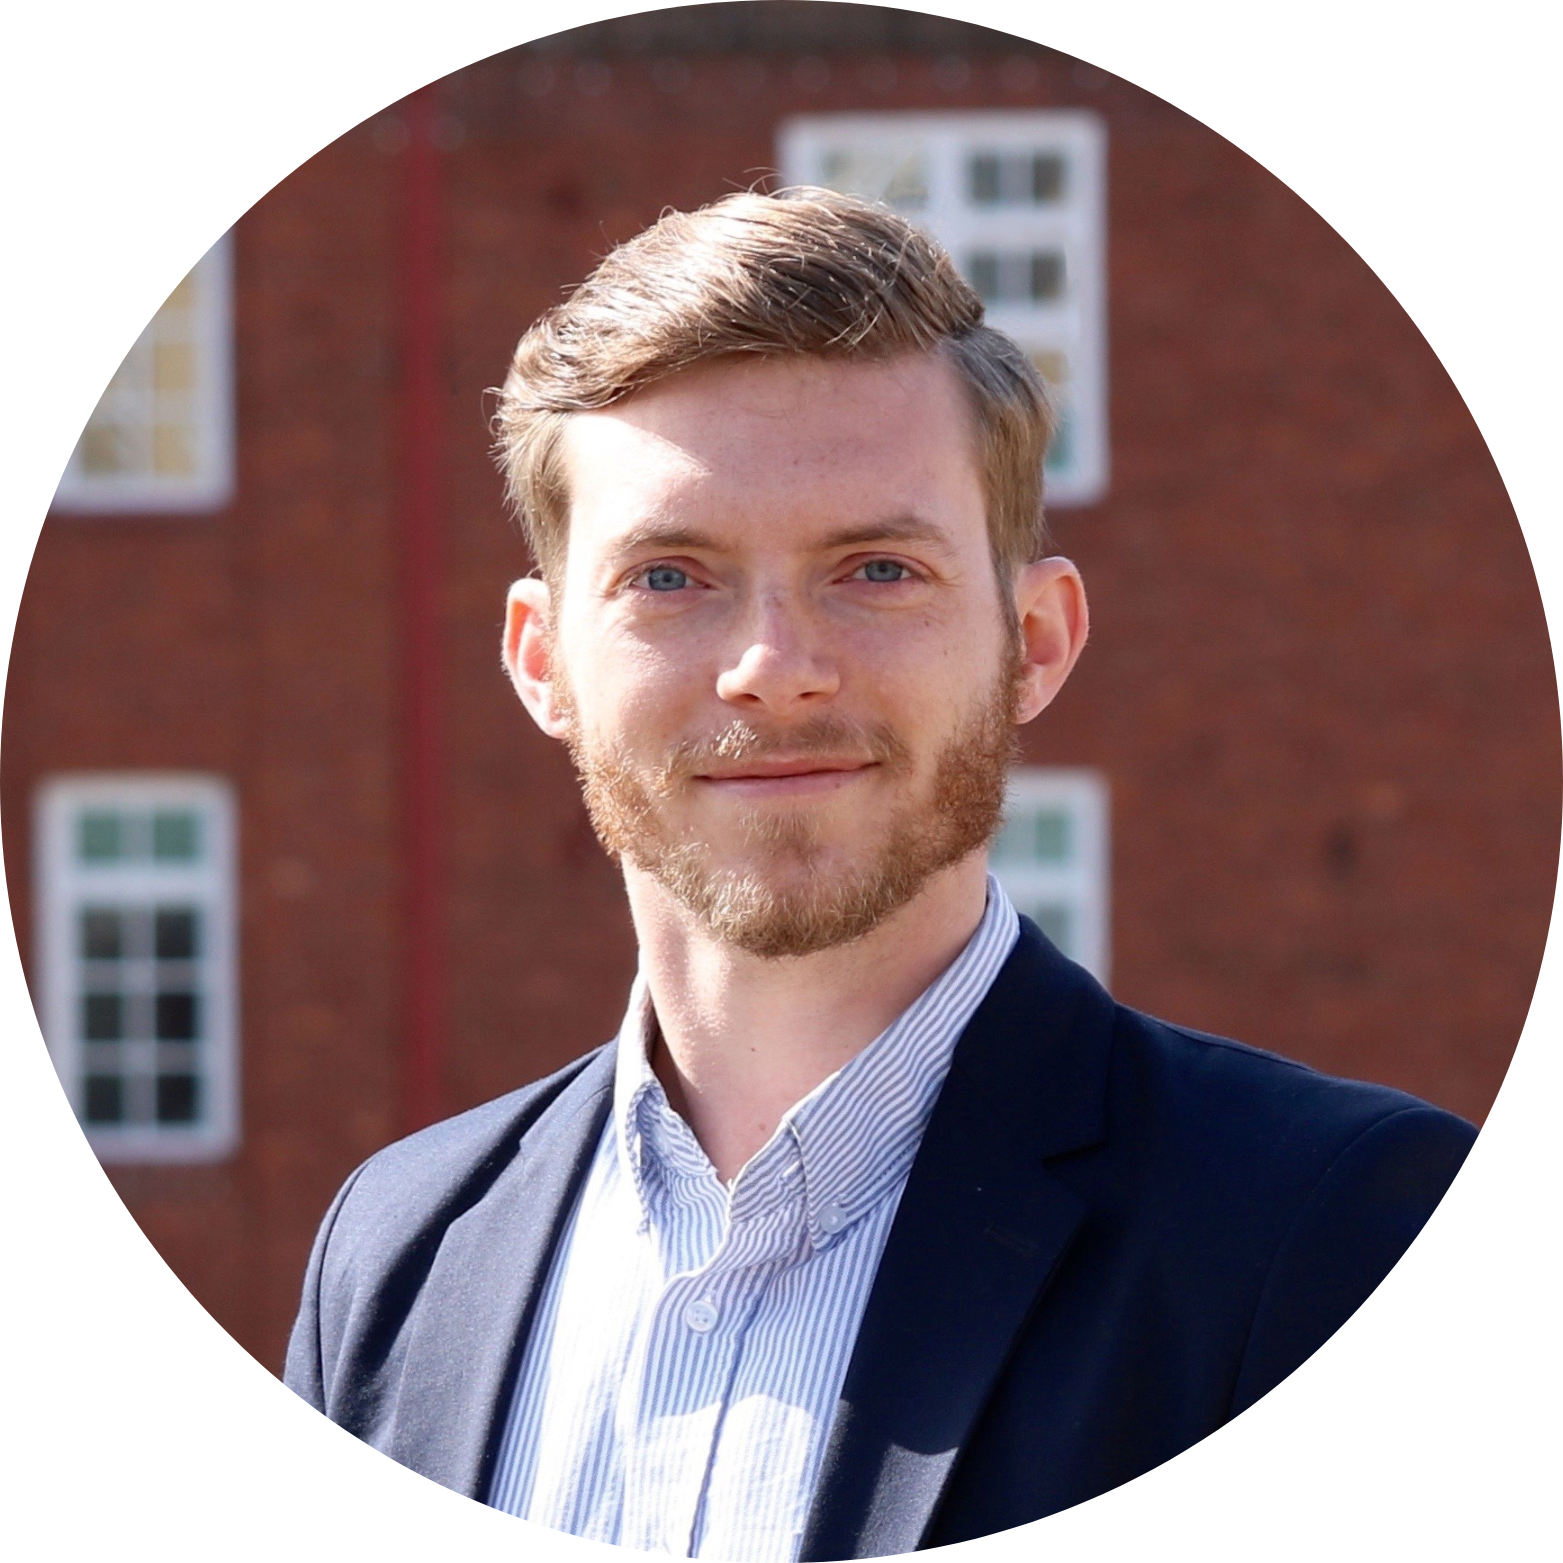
(477, 1301)
(979, 1231)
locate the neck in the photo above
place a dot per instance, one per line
(742, 1038)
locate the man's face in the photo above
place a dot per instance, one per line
(777, 649)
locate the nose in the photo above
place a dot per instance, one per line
(780, 666)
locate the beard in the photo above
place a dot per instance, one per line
(781, 902)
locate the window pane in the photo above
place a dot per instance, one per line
(173, 450)
(177, 1098)
(1033, 835)
(102, 1017)
(1051, 364)
(985, 178)
(106, 448)
(103, 1099)
(1047, 275)
(173, 366)
(174, 939)
(1015, 178)
(1010, 845)
(101, 934)
(1047, 178)
(174, 836)
(983, 272)
(176, 1017)
(898, 176)
(99, 837)
(1050, 836)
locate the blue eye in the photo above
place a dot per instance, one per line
(885, 571)
(666, 578)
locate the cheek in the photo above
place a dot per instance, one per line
(626, 691)
(929, 661)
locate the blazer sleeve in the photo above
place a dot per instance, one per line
(1363, 1214)
(305, 1370)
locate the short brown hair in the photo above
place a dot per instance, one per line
(803, 271)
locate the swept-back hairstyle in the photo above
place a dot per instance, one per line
(804, 271)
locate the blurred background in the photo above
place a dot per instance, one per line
(294, 874)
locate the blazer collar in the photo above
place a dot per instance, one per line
(978, 1234)
(477, 1302)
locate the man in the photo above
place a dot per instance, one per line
(880, 1225)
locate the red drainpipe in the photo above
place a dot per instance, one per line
(422, 854)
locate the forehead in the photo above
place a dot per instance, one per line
(784, 442)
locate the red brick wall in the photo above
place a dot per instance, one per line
(1319, 681)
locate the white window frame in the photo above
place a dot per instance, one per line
(1079, 882)
(208, 406)
(943, 144)
(65, 885)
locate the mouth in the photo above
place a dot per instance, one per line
(779, 777)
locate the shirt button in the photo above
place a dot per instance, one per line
(700, 1316)
(831, 1219)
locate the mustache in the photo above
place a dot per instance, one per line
(827, 735)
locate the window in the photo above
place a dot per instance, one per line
(135, 961)
(1018, 200)
(1051, 858)
(161, 438)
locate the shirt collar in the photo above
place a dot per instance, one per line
(854, 1133)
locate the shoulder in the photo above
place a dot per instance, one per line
(1273, 1116)
(382, 1238)
(1160, 1106)
(423, 1182)
(1296, 1191)
(1237, 1179)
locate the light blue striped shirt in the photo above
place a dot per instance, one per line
(691, 1339)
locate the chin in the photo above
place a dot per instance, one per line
(793, 904)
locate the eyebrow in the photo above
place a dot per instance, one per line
(899, 529)
(652, 536)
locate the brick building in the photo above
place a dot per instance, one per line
(293, 872)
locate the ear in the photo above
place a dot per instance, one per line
(1050, 606)
(527, 653)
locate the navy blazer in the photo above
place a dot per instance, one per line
(1116, 1235)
